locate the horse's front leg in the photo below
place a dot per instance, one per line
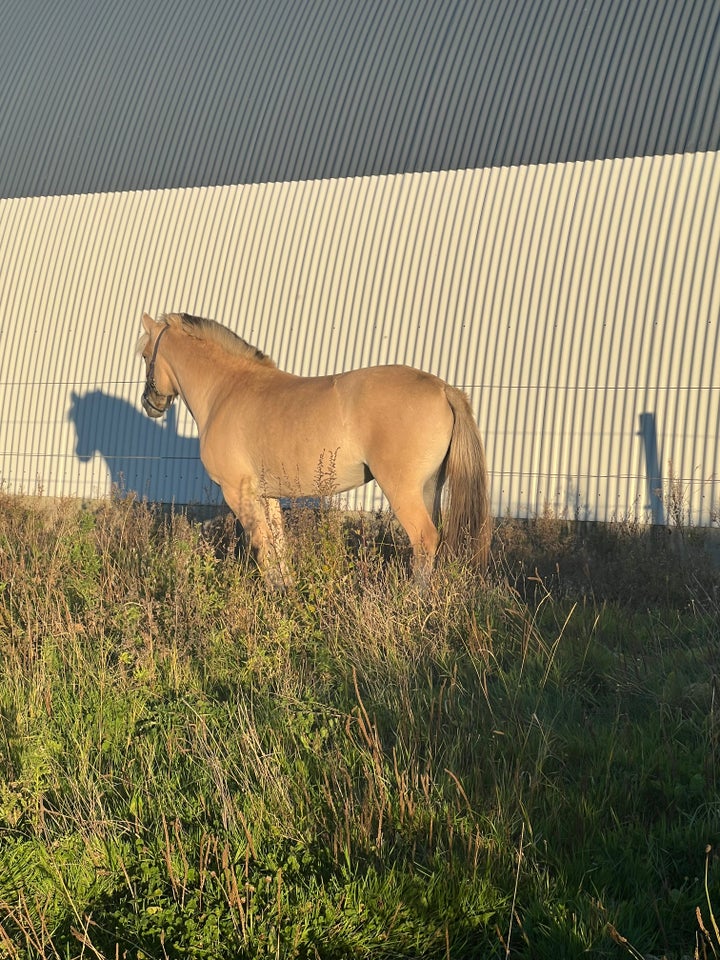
(274, 562)
(262, 522)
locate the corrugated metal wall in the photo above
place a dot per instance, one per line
(520, 197)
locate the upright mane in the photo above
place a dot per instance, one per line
(210, 330)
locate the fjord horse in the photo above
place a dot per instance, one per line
(265, 434)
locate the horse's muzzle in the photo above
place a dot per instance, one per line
(154, 403)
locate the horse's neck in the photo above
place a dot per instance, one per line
(199, 370)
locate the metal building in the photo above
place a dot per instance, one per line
(522, 196)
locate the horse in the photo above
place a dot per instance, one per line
(267, 434)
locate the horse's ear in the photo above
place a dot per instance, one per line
(147, 322)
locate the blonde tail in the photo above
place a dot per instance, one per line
(467, 524)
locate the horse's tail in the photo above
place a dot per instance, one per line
(467, 525)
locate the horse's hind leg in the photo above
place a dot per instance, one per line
(432, 490)
(262, 522)
(412, 512)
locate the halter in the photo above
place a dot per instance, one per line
(151, 387)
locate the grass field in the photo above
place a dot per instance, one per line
(193, 767)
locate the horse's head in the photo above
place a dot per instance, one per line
(160, 391)
(79, 415)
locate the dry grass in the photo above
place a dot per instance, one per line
(193, 766)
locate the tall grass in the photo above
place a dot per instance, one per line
(191, 766)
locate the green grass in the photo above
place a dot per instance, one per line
(191, 766)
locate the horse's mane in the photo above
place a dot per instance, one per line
(203, 329)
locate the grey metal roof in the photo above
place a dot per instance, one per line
(99, 95)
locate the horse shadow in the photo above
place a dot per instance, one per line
(146, 459)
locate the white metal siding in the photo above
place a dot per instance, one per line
(568, 300)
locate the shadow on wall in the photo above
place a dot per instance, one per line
(145, 458)
(648, 434)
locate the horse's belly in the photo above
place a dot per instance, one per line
(327, 476)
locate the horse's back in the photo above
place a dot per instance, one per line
(383, 387)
